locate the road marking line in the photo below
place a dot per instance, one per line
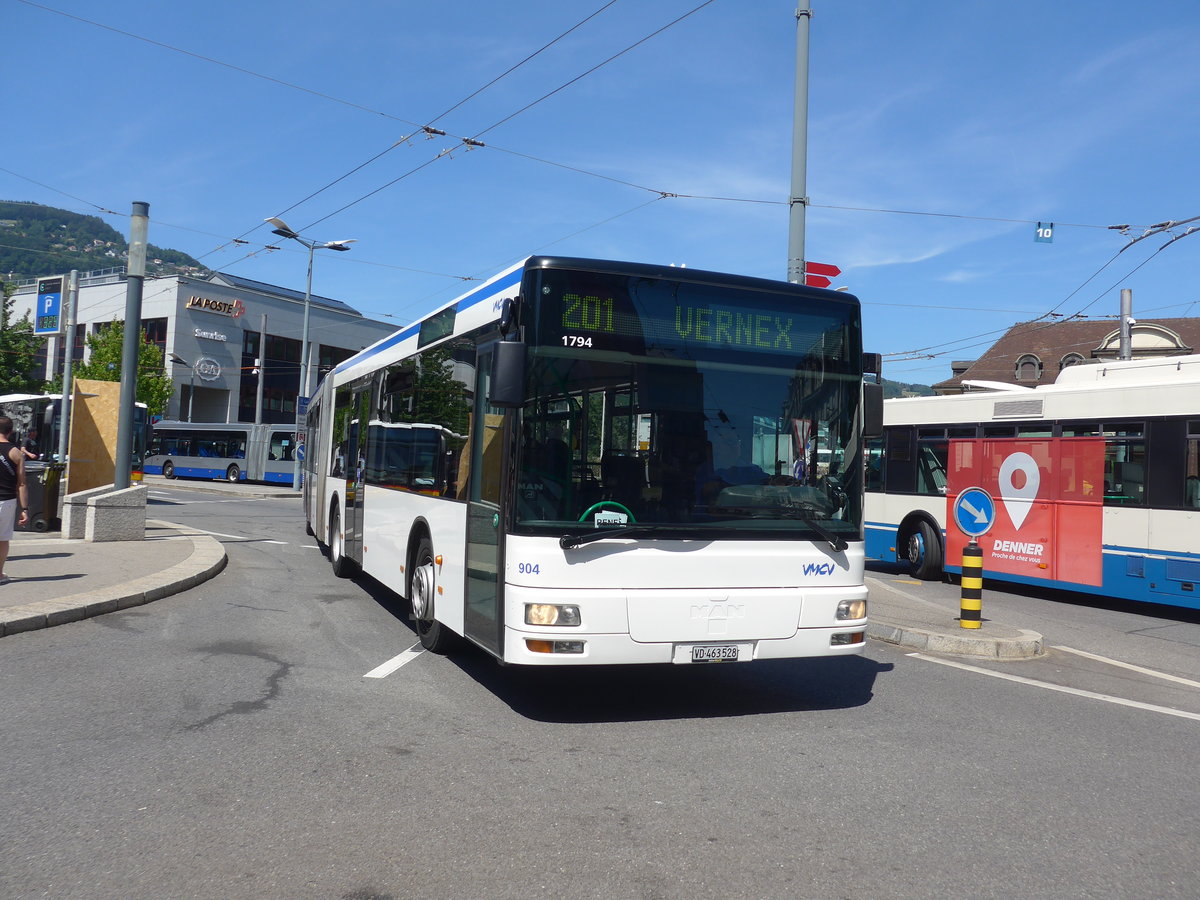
(238, 537)
(387, 668)
(1091, 695)
(1130, 666)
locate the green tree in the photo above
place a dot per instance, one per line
(106, 347)
(18, 348)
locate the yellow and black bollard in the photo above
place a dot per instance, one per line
(971, 605)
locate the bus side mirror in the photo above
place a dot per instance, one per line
(872, 409)
(507, 389)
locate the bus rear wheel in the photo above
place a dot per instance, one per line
(924, 552)
(168, 469)
(233, 474)
(435, 637)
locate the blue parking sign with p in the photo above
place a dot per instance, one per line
(47, 318)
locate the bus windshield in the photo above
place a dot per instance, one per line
(688, 407)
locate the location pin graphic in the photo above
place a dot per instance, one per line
(1019, 500)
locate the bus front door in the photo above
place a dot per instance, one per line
(482, 620)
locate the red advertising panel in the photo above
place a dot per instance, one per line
(1049, 495)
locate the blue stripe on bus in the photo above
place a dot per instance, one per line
(464, 303)
(1132, 573)
(1152, 583)
(1140, 551)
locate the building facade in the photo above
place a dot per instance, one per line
(231, 345)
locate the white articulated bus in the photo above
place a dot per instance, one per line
(591, 462)
(1094, 481)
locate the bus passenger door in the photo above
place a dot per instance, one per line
(356, 455)
(483, 621)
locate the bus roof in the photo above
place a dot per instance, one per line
(485, 300)
(1159, 386)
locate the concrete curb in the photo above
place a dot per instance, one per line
(1028, 645)
(205, 561)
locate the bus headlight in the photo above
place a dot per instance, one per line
(852, 609)
(551, 614)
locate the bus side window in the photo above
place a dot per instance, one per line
(931, 465)
(1124, 465)
(874, 474)
(1191, 484)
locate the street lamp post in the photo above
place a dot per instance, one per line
(175, 358)
(284, 230)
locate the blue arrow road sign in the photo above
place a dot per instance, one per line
(974, 512)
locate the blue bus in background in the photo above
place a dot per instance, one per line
(229, 451)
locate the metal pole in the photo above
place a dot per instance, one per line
(191, 391)
(261, 365)
(303, 392)
(139, 227)
(799, 199)
(64, 410)
(1126, 351)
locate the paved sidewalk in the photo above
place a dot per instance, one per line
(56, 580)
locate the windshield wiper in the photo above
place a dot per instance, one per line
(836, 541)
(567, 541)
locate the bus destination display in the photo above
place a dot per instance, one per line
(605, 316)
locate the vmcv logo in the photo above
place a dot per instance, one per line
(826, 568)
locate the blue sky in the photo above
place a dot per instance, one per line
(939, 134)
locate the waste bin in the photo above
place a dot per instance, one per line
(42, 481)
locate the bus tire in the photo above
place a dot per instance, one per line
(342, 567)
(434, 636)
(233, 474)
(168, 469)
(924, 552)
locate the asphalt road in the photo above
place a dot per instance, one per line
(225, 742)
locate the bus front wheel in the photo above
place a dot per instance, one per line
(168, 469)
(342, 567)
(924, 552)
(435, 637)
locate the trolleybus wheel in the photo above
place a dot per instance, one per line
(924, 552)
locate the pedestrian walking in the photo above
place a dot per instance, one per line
(13, 494)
